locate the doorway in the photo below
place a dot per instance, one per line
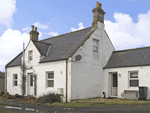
(30, 84)
(114, 84)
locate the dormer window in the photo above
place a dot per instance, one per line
(95, 45)
(30, 55)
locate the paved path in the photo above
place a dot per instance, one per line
(24, 108)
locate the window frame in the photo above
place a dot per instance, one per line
(15, 80)
(47, 79)
(30, 55)
(96, 46)
(130, 79)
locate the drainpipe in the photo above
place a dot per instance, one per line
(66, 79)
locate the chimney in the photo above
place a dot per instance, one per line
(98, 14)
(34, 34)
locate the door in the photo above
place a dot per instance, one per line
(30, 84)
(114, 84)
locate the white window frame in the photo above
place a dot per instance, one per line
(95, 46)
(15, 80)
(30, 55)
(49, 79)
(133, 78)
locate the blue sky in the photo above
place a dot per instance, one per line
(127, 22)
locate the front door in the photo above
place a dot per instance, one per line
(114, 84)
(30, 84)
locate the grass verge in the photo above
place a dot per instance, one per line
(89, 102)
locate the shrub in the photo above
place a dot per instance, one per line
(17, 96)
(49, 98)
(6, 94)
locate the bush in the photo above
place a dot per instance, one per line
(17, 96)
(49, 98)
(6, 94)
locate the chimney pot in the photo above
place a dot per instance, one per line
(35, 28)
(97, 4)
(32, 27)
(100, 6)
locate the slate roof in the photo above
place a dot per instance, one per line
(129, 58)
(42, 47)
(62, 46)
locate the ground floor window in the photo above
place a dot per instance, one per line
(133, 79)
(15, 80)
(50, 79)
(31, 80)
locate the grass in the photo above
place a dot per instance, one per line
(89, 102)
(17, 100)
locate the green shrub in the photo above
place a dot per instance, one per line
(49, 98)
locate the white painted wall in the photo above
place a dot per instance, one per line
(123, 81)
(10, 87)
(87, 74)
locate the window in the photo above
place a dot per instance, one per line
(15, 79)
(133, 79)
(30, 55)
(31, 80)
(95, 45)
(50, 79)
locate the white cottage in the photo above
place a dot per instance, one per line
(79, 64)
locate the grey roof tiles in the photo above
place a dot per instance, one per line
(128, 58)
(61, 47)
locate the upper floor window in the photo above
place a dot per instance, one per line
(133, 79)
(30, 55)
(50, 79)
(15, 79)
(95, 45)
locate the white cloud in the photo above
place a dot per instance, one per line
(53, 33)
(11, 44)
(80, 27)
(26, 29)
(126, 34)
(7, 9)
(37, 24)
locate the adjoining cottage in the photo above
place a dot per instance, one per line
(79, 64)
(2, 82)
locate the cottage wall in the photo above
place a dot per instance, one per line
(10, 85)
(123, 79)
(87, 74)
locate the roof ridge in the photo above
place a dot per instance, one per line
(131, 49)
(65, 34)
(41, 42)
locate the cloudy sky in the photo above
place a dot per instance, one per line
(127, 22)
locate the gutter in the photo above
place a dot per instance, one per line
(66, 80)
